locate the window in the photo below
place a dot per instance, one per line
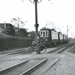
(43, 34)
(46, 33)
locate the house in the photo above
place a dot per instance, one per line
(6, 28)
(1, 30)
(5, 25)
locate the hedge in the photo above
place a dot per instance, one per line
(11, 43)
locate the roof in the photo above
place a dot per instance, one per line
(48, 29)
(4, 23)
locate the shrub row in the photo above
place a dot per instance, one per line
(11, 43)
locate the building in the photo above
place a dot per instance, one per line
(5, 25)
(7, 28)
(1, 30)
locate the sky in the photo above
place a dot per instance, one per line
(56, 14)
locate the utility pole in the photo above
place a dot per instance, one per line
(36, 25)
(36, 21)
(4, 24)
(18, 19)
(36, 16)
(68, 29)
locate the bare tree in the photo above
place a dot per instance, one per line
(17, 22)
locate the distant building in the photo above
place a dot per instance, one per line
(1, 30)
(5, 25)
(6, 28)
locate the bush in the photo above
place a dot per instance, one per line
(12, 42)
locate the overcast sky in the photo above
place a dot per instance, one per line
(53, 13)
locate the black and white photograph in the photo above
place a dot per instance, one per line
(37, 37)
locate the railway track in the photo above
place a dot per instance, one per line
(33, 66)
(61, 49)
(46, 67)
(27, 72)
(24, 68)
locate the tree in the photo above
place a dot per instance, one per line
(32, 33)
(11, 30)
(18, 23)
(23, 32)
